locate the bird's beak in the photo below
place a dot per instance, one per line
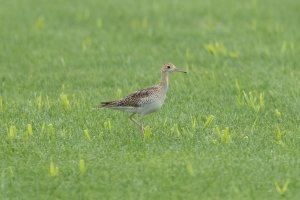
(179, 70)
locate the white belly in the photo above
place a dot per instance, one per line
(151, 107)
(144, 109)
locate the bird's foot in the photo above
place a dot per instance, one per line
(143, 129)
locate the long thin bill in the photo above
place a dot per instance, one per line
(180, 70)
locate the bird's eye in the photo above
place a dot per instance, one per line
(169, 67)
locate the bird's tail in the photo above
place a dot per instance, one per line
(105, 104)
(102, 105)
(108, 104)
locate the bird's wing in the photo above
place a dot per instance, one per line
(133, 100)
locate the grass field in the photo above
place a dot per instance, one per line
(229, 129)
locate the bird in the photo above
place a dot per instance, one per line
(144, 101)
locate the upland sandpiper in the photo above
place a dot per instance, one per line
(144, 101)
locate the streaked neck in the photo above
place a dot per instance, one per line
(164, 82)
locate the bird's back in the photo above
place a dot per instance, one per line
(137, 99)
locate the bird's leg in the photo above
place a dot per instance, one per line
(134, 121)
(142, 124)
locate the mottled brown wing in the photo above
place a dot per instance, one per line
(136, 98)
(133, 100)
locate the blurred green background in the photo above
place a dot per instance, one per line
(228, 130)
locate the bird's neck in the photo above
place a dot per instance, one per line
(164, 82)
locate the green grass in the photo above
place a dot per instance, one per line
(229, 129)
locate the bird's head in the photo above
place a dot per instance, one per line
(169, 68)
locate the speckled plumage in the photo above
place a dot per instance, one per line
(144, 101)
(136, 99)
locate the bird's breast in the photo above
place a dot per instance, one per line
(152, 107)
